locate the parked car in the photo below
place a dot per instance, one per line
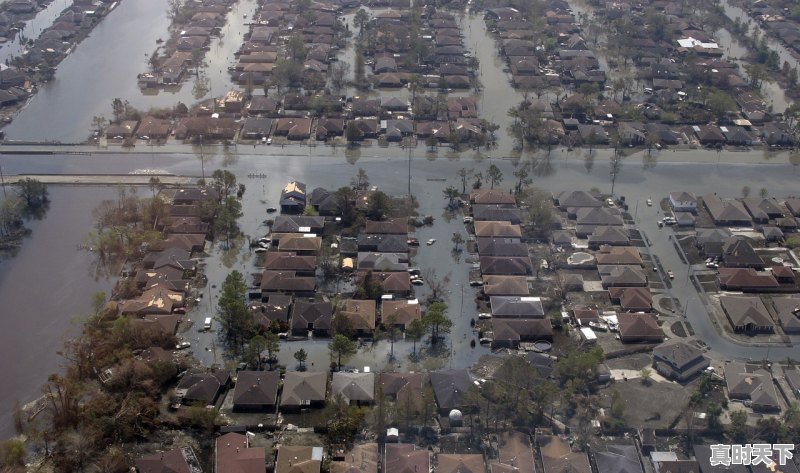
(484, 315)
(671, 274)
(431, 241)
(271, 210)
(476, 283)
(182, 345)
(417, 281)
(413, 242)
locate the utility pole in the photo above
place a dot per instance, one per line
(3, 182)
(202, 159)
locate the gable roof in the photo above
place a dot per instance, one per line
(677, 353)
(234, 455)
(501, 247)
(461, 463)
(497, 229)
(403, 310)
(499, 285)
(300, 386)
(362, 458)
(570, 199)
(756, 385)
(618, 459)
(516, 307)
(450, 387)
(298, 459)
(639, 327)
(558, 457)
(406, 458)
(517, 330)
(360, 313)
(177, 460)
(746, 310)
(491, 196)
(318, 313)
(256, 388)
(618, 255)
(358, 387)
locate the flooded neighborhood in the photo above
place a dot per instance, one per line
(348, 236)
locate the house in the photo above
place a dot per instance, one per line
(397, 283)
(360, 315)
(355, 388)
(288, 261)
(287, 282)
(515, 454)
(329, 128)
(607, 235)
(558, 456)
(592, 134)
(678, 360)
(491, 196)
(788, 311)
(276, 309)
(751, 384)
(772, 233)
(618, 255)
(709, 135)
(746, 280)
(512, 332)
(583, 316)
(496, 229)
(710, 241)
(450, 388)
(298, 224)
(177, 460)
(302, 244)
(203, 388)
(639, 328)
(362, 458)
(763, 209)
(293, 197)
(726, 212)
(460, 463)
(152, 128)
(366, 107)
(489, 212)
(683, 202)
(685, 219)
(501, 247)
(122, 131)
(382, 262)
(401, 311)
(406, 458)
(403, 388)
(737, 252)
(298, 459)
(302, 389)
(507, 265)
(618, 459)
(778, 134)
(784, 274)
(262, 105)
(325, 202)
(233, 454)
(499, 285)
(747, 314)
(157, 300)
(294, 128)
(622, 276)
(515, 307)
(632, 299)
(382, 243)
(311, 317)
(256, 390)
(575, 199)
(737, 136)
(255, 128)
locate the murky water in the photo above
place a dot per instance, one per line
(42, 289)
(733, 12)
(105, 65)
(33, 28)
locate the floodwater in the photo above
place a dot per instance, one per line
(37, 317)
(733, 12)
(105, 65)
(43, 290)
(33, 28)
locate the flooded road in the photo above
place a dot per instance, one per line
(36, 317)
(43, 290)
(33, 28)
(733, 12)
(105, 65)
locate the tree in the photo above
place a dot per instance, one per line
(414, 332)
(272, 345)
(646, 373)
(339, 71)
(361, 19)
(341, 347)
(451, 193)
(344, 421)
(352, 133)
(763, 192)
(457, 240)
(225, 220)
(33, 193)
(436, 285)
(464, 174)
(391, 332)
(252, 354)
(224, 182)
(236, 321)
(119, 108)
(436, 320)
(379, 206)
(720, 103)
(174, 9)
(616, 166)
(301, 356)
(360, 181)
(345, 201)
(155, 183)
(495, 175)
(737, 429)
(522, 178)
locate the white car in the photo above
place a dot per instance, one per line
(417, 282)
(182, 345)
(476, 283)
(484, 315)
(671, 274)
(431, 241)
(468, 219)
